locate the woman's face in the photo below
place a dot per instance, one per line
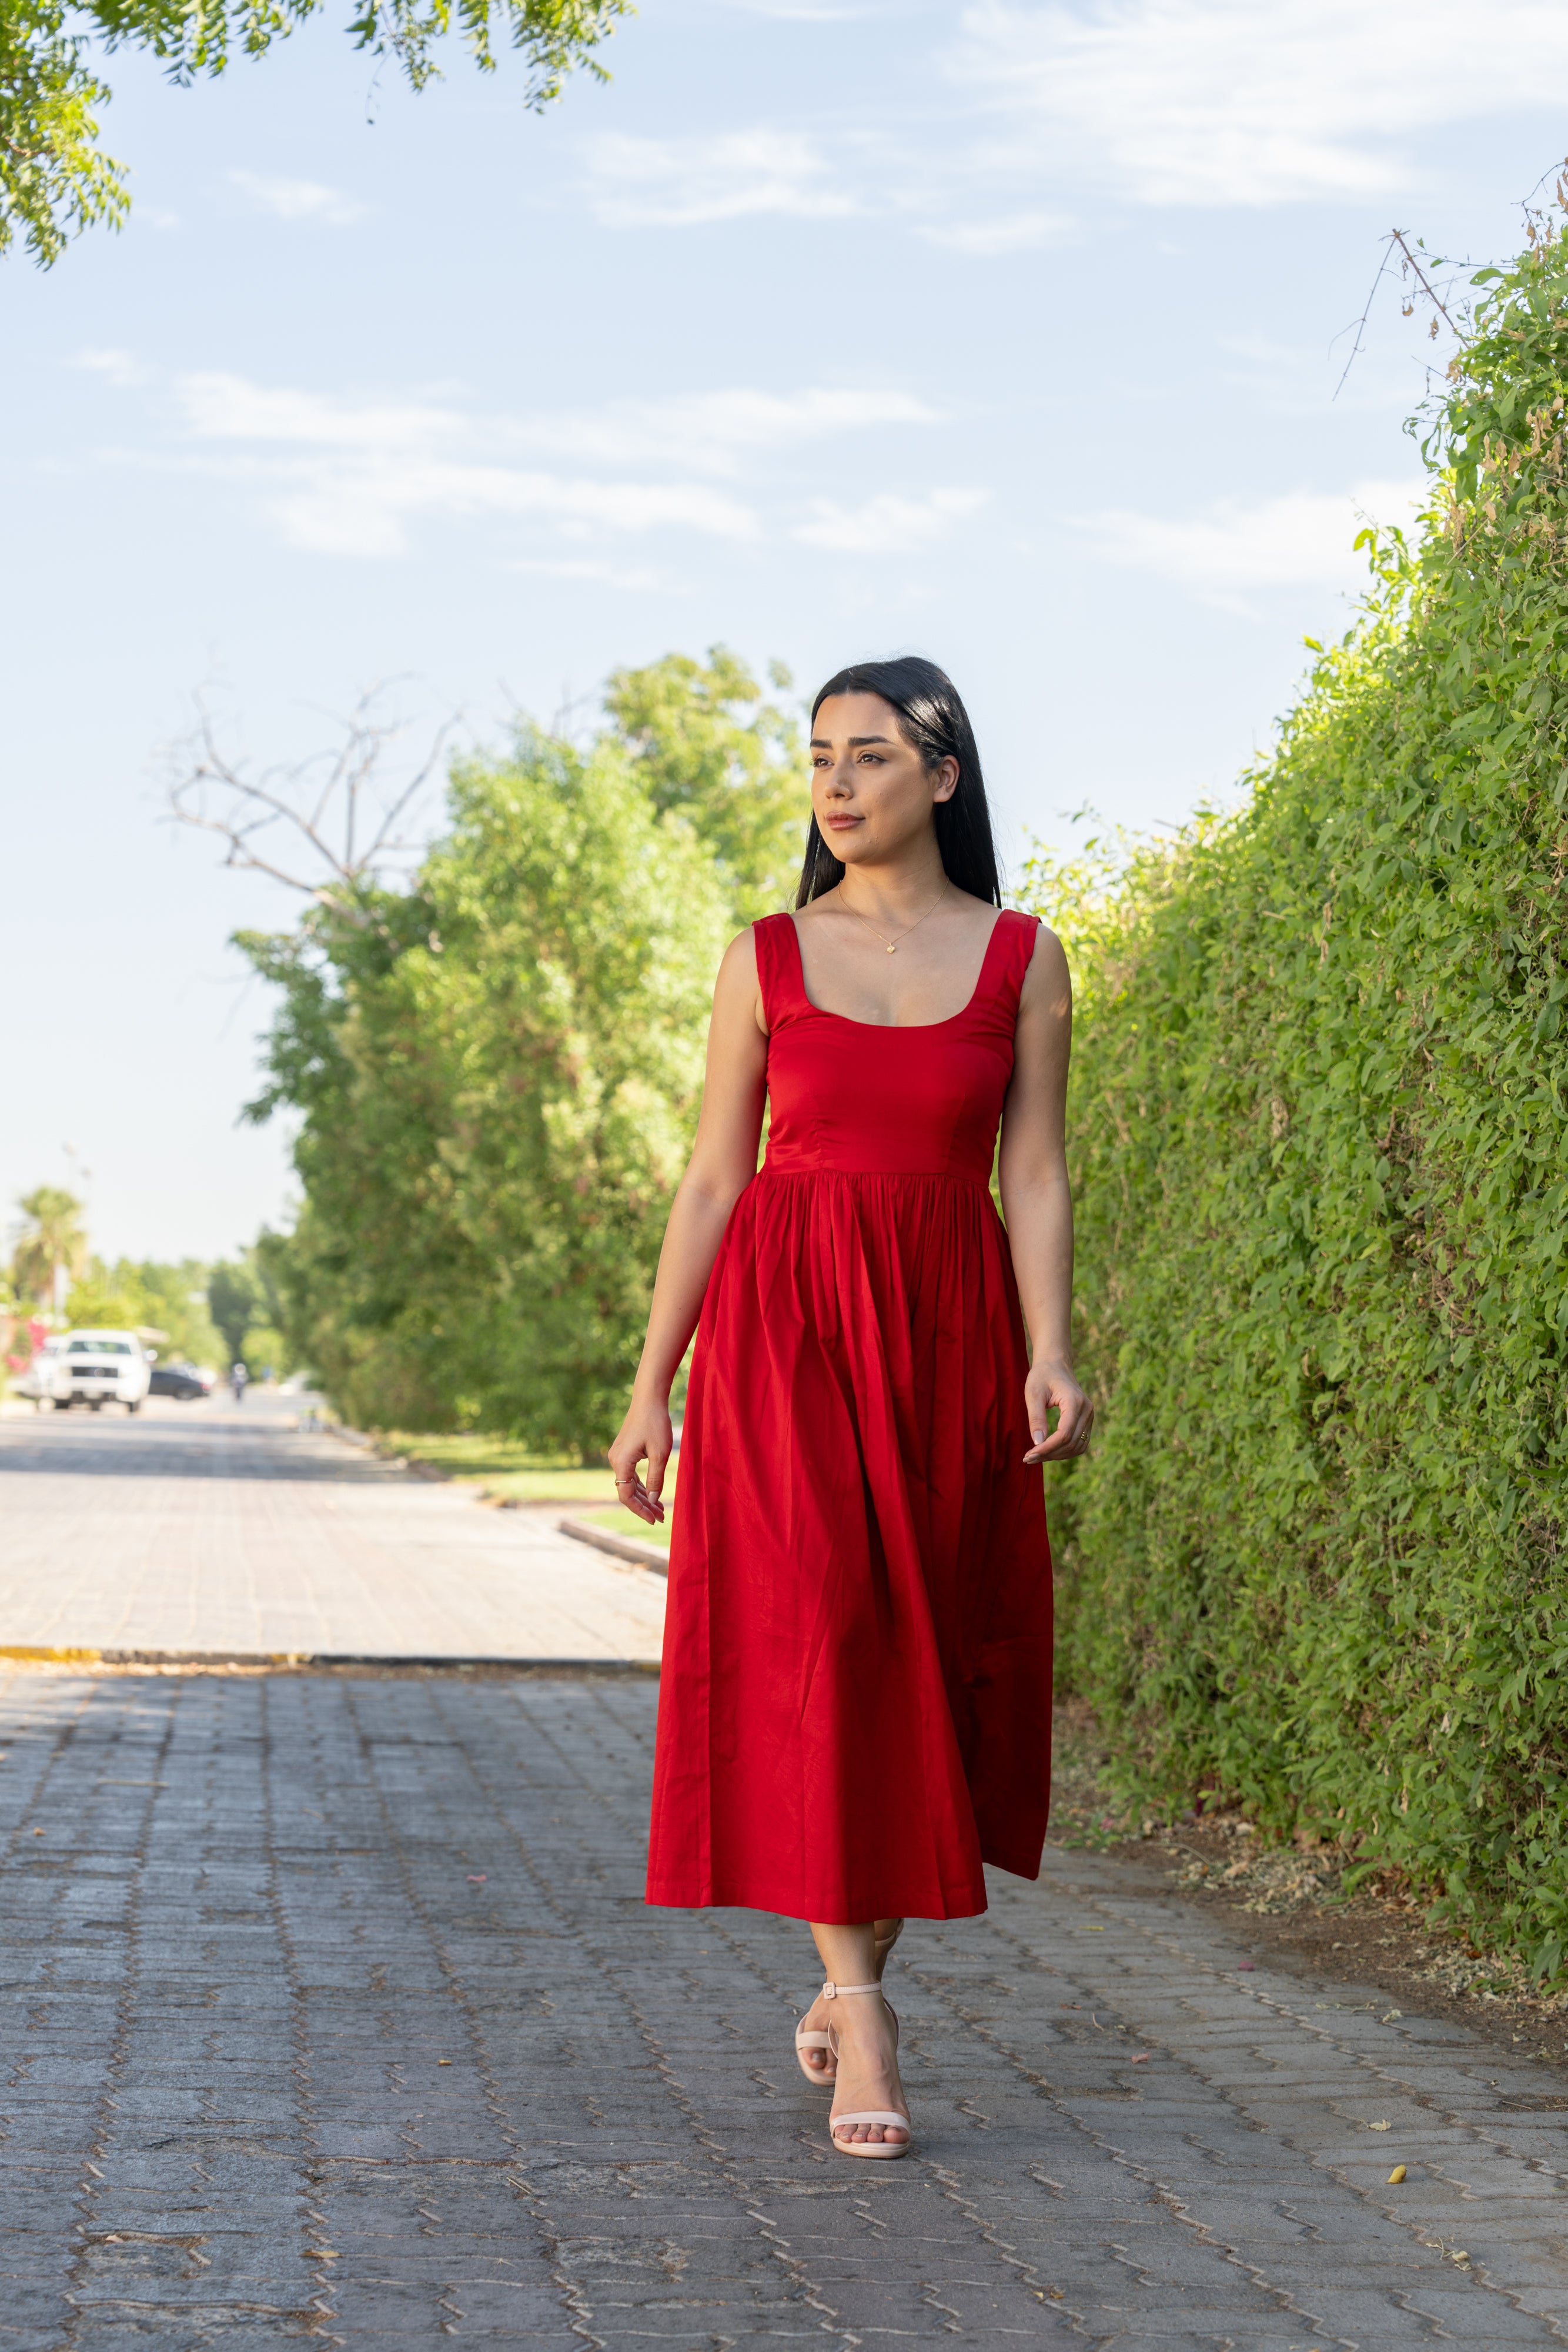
(872, 793)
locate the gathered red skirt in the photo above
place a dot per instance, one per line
(855, 1704)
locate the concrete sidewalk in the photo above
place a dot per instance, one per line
(334, 2012)
(220, 1531)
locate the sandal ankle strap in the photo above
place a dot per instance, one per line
(831, 1990)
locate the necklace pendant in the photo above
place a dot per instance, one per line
(893, 949)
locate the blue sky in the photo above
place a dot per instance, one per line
(1009, 333)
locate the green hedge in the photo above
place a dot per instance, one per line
(1320, 1135)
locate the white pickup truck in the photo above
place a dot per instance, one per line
(93, 1368)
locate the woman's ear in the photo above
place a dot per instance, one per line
(944, 783)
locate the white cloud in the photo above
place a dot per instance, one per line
(1052, 103)
(299, 200)
(744, 418)
(1305, 538)
(229, 409)
(899, 173)
(1023, 231)
(715, 430)
(704, 428)
(682, 183)
(888, 525)
(603, 575)
(807, 12)
(363, 511)
(121, 369)
(346, 476)
(355, 473)
(1253, 101)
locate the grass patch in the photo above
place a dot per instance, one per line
(507, 1468)
(619, 1521)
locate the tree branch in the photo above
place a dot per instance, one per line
(1396, 240)
(328, 822)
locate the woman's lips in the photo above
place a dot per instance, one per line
(842, 823)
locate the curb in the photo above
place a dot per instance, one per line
(29, 1653)
(641, 1555)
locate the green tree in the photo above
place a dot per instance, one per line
(498, 1068)
(53, 182)
(171, 1298)
(53, 1241)
(710, 746)
(500, 1078)
(144, 1295)
(103, 1301)
(1319, 1121)
(233, 1302)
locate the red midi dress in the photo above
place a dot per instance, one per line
(854, 1711)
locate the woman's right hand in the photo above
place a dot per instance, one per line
(645, 1435)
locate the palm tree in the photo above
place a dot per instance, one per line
(55, 1244)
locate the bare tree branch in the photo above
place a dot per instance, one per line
(1396, 242)
(327, 822)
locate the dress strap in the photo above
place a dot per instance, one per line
(779, 972)
(1008, 955)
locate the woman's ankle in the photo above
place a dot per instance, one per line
(863, 2023)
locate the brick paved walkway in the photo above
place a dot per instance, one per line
(202, 1528)
(332, 2013)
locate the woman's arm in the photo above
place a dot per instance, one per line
(1038, 1202)
(722, 1163)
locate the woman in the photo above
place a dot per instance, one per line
(855, 1708)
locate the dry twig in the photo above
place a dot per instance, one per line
(328, 803)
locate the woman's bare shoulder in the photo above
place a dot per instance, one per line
(738, 991)
(737, 965)
(1048, 982)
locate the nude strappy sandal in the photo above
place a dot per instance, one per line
(819, 2041)
(814, 2041)
(886, 2149)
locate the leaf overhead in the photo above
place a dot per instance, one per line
(54, 182)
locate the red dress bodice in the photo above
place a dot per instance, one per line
(862, 1098)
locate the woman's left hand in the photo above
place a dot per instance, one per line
(1052, 1386)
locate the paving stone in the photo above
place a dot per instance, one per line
(224, 1996)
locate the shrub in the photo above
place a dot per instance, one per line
(1321, 1139)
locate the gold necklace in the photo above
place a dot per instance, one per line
(892, 945)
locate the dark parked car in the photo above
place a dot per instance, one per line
(177, 1381)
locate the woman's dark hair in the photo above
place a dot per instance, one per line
(931, 718)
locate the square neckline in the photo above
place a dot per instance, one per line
(884, 1027)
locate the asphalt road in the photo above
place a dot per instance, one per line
(220, 1530)
(331, 2013)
